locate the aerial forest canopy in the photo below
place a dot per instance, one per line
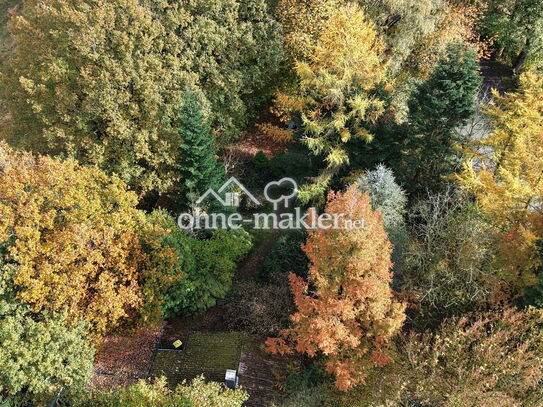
(271, 203)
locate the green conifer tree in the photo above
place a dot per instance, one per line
(197, 166)
(438, 108)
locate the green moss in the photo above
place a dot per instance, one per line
(210, 354)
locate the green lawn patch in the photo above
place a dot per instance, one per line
(207, 353)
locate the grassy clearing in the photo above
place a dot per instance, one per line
(207, 353)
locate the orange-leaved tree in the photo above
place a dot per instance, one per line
(79, 242)
(346, 310)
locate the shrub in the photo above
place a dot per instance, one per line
(286, 256)
(260, 309)
(448, 262)
(492, 359)
(197, 393)
(40, 353)
(207, 267)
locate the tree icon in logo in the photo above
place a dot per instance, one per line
(283, 183)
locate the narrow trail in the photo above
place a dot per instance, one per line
(250, 266)
(252, 263)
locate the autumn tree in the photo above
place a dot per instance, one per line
(197, 166)
(302, 22)
(454, 22)
(407, 28)
(491, 359)
(413, 32)
(333, 96)
(480, 359)
(448, 262)
(346, 310)
(99, 81)
(516, 26)
(79, 243)
(503, 171)
(90, 80)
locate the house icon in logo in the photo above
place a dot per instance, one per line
(231, 196)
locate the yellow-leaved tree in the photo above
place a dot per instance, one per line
(303, 22)
(505, 173)
(333, 92)
(79, 243)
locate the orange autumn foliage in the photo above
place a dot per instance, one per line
(79, 242)
(346, 310)
(276, 133)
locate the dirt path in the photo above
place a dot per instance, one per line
(249, 267)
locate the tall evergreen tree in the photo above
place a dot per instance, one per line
(197, 165)
(438, 107)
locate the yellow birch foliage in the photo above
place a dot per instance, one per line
(505, 173)
(457, 23)
(78, 240)
(346, 311)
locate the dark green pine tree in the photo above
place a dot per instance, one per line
(438, 108)
(197, 166)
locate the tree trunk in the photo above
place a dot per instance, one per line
(518, 67)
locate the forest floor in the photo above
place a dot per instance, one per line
(255, 140)
(498, 76)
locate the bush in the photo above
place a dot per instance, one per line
(260, 309)
(286, 256)
(492, 359)
(197, 393)
(311, 397)
(448, 263)
(40, 353)
(207, 267)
